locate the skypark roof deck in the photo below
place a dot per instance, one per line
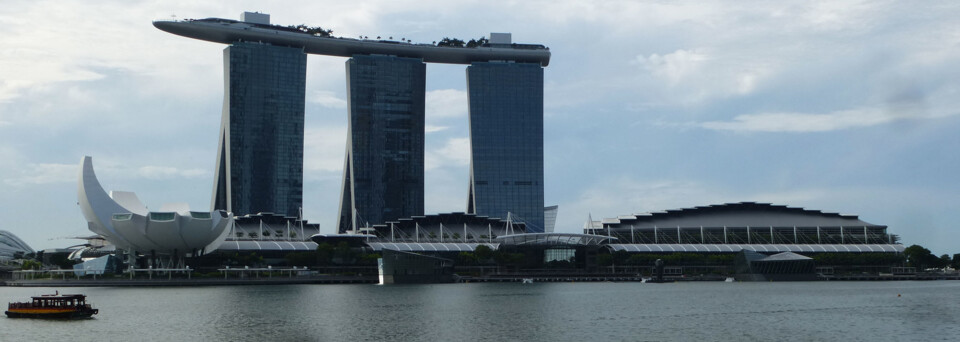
(228, 31)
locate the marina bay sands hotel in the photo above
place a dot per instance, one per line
(260, 156)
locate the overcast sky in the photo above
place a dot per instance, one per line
(847, 107)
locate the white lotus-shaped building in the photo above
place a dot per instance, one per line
(124, 221)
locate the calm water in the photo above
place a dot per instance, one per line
(810, 311)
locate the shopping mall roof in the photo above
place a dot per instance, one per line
(742, 214)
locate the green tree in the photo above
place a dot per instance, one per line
(477, 42)
(31, 265)
(61, 260)
(452, 42)
(324, 253)
(344, 253)
(920, 257)
(316, 31)
(301, 258)
(944, 261)
(466, 258)
(483, 253)
(605, 259)
(369, 258)
(620, 257)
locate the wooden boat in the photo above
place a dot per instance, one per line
(52, 306)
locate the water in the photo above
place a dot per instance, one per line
(708, 311)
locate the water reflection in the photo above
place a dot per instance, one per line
(496, 312)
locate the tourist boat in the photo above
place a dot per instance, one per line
(52, 306)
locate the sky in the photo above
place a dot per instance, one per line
(841, 106)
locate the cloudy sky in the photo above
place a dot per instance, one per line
(850, 107)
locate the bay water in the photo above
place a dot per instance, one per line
(685, 311)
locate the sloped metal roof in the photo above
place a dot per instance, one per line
(566, 239)
(767, 248)
(741, 214)
(786, 256)
(267, 245)
(429, 246)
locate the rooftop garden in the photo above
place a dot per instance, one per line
(318, 31)
(454, 42)
(315, 31)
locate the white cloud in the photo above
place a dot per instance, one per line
(800, 122)
(51, 173)
(37, 174)
(790, 66)
(427, 128)
(626, 195)
(833, 121)
(676, 66)
(26, 74)
(166, 172)
(698, 74)
(328, 99)
(323, 150)
(446, 103)
(456, 152)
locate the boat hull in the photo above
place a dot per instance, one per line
(70, 314)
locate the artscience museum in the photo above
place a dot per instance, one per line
(165, 236)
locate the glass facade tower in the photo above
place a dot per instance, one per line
(383, 170)
(506, 141)
(260, 156)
